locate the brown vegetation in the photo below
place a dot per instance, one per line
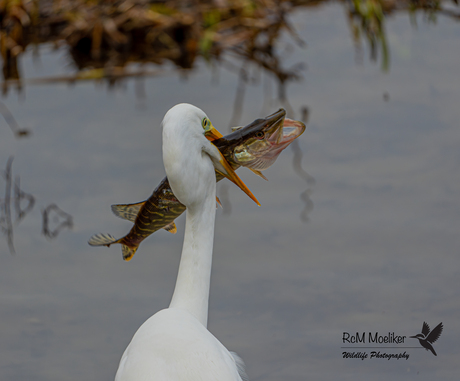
(106, 35)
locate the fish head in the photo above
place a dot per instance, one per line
(264, 139)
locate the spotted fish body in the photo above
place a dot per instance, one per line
(161, 209)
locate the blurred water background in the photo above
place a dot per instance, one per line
(358, 229)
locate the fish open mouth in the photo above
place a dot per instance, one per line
(278, 140)
(284, 136)
(258, 145)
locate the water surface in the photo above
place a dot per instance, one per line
(378, 252)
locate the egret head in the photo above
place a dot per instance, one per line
(187, 132)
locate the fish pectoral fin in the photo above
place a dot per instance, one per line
(128, 252)
(218, 203)
(127, 211)
(102, 240)
(171, 228)
(258, 173)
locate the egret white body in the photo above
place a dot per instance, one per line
(174, 344)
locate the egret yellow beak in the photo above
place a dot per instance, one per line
(227, 171)
(223, 166)
(212, 134)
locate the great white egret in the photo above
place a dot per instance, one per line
(174, 344)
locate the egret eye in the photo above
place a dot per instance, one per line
(259, 135)
(205, 123)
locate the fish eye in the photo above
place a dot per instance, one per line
(259, 135)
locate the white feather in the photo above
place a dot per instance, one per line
(174, 344)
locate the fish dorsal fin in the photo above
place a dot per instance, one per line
(127, 211)
(258, 173)
(171, 228)
(236, 128)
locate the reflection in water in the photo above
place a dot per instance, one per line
(54, 220)
(5, 217)
(9, 118)
(367, 18)
(283, 78)
(367, 21)
(104, 38)
(305, 196)
(110, 36)
(19, 197)
(239, 98)
(23, 203)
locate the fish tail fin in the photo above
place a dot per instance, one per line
(102, 240)
(128, 252)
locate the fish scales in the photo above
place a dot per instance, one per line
(159, 210)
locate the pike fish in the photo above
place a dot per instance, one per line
(255, 146)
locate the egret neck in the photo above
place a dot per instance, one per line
(193, 280)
